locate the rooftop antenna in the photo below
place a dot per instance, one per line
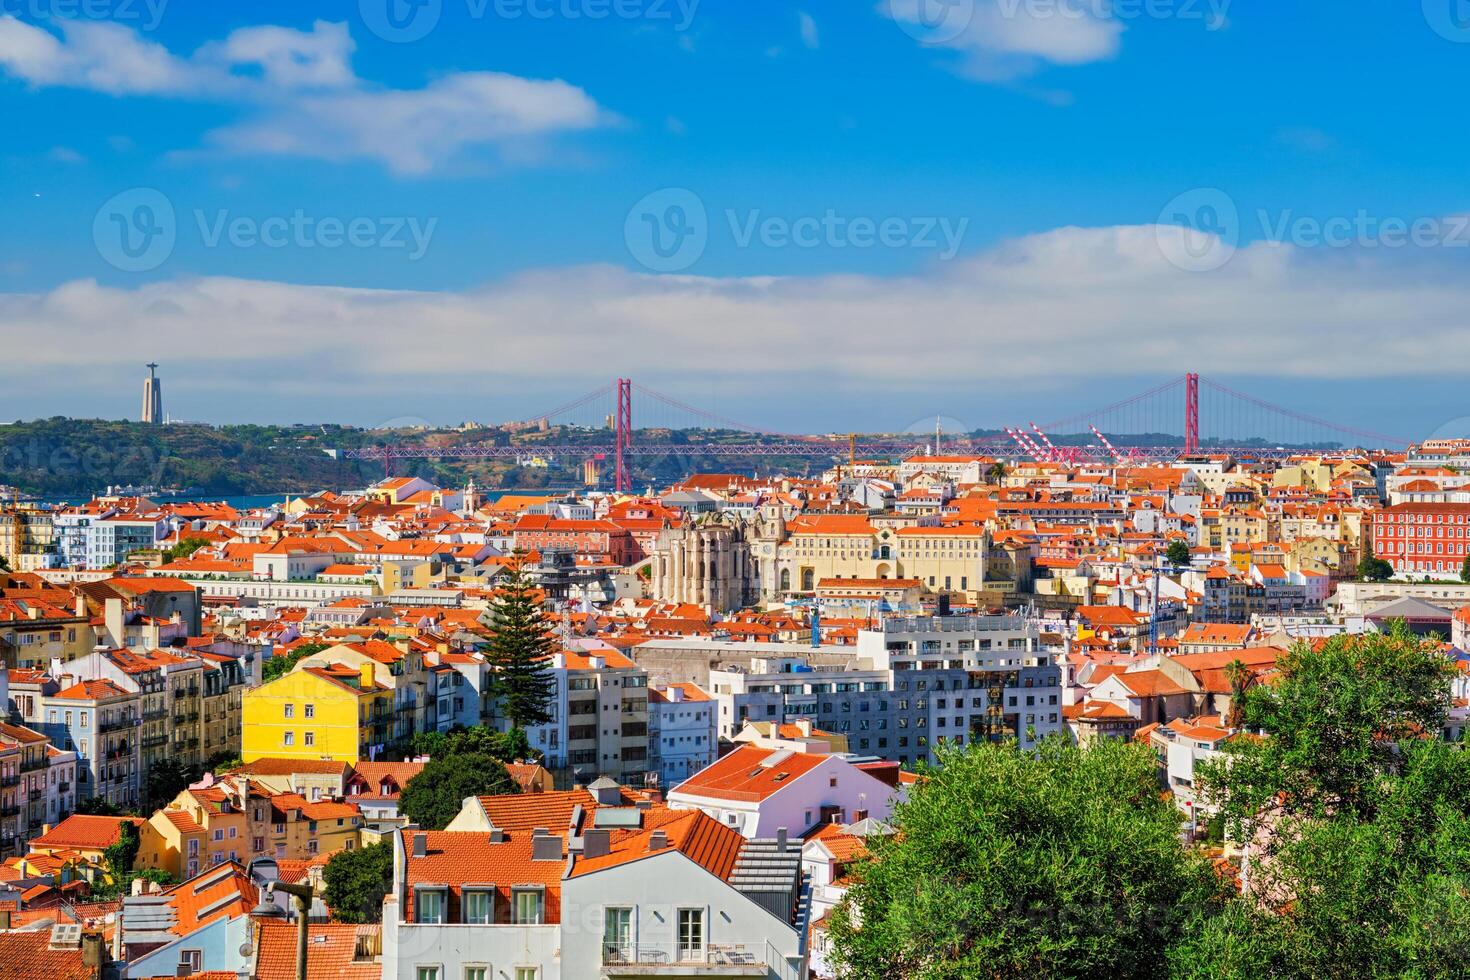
(937, 434)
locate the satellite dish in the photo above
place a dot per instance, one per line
(246, 949)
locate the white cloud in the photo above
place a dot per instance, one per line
(300, 95)
(97, 55)
(413, 131)
(1002, 40)
(1068, 304)
(64, 154)
(809, 35)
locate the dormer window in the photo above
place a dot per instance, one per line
(528, 905)
(478, 905)
(429, 902)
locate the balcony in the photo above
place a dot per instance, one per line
(9, 810)
(6, 782)
(758, 959)
(35, 763)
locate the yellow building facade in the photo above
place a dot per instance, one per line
(332, 712)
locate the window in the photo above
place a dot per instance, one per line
(426, 973)
(428, 908)
(617, 935)
(310, 711)
(477, 907)
(526, 906)
(193, 959)
(289, 738)
(525, 973)
(290, 711)
(477, 973)
(691, 934)
(310, 738)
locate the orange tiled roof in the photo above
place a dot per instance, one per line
(330, 952)
(84, 831)
(750, 773)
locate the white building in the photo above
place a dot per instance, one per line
(663, 894)
(681, 732)
(761, 792)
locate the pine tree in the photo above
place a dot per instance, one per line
(520, 649)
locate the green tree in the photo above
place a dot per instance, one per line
(183, 549)
(165, 779)
(118, 859)
(511, 746)
(357, 881)
(434, 797)
(1465, 570)
(1356, 817)
(4, 564)
(1335, 720)
(97, 806)
(997, 472)
(521, 644)
(1177, 554)
(1372, 569)
(1062, 862)
(280, 665)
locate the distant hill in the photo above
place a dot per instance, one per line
(63, 457)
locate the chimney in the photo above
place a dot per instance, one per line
(4, 920)
(805, 727)
(545, 847)
(596, 843)
(92, 952)
(658, 840)
(367, 676)
(420, 844)
(781, 839)
(497, 835)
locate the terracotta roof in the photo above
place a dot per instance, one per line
(84, 831)
(457, 858)
(28, 955)
(750, 773)
(329, 954)
(695, 834)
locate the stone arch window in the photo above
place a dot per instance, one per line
(785, 580)
(808, 580)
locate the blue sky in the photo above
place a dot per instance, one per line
(1022, 157)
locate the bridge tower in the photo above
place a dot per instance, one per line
(623, 479)
(1191, 413)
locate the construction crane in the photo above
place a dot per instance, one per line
(1105, 444)
(1051, 451)
(1028, 447)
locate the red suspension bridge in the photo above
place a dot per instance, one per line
(1185, 416)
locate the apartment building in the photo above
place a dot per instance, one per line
(1423, 540)
(682, 732)
(99, 721)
